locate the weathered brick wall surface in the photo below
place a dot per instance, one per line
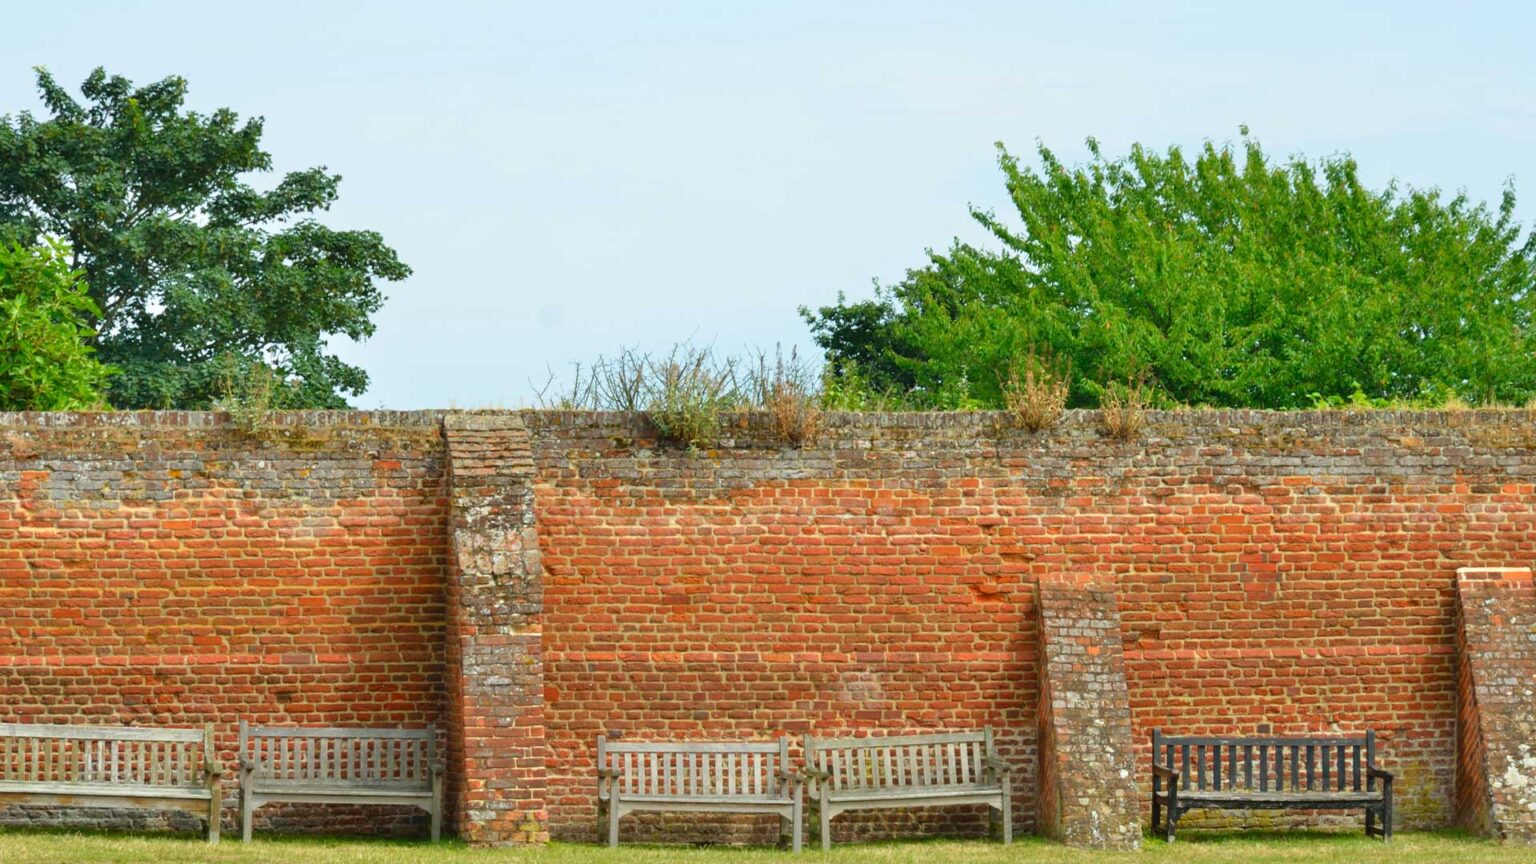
(164, 569)
(1277, 573)
(1496, 783)
(1087, 791)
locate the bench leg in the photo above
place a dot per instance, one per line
(1370, 822)
(1386, 815)
(245, 816)
(1007, 811)
(826, 828)
(437, 822)
(602, 819)
(613, 824)
(1157, 811)
(797, 824)
(1170, 820)
(214, 808)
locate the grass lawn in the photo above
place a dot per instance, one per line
(51, 847)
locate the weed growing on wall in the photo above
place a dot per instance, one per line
(1122, 410)
(788, 390)
(249, 392)
(1037, 395)
(688, 391)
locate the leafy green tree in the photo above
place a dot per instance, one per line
(1232, 279)
(187, 263)
(45, 361)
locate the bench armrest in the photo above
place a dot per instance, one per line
(1168, 774)
(609, 773)
(249, 765)
(789, 776)
(437, 768)
(815, 774)
(1375, 773)
(998, 766)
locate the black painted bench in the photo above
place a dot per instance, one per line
(1195, 772)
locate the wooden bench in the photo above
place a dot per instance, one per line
(112, 766)
(339, 766)
(713, 777)
(936, 770)
(1269, 773)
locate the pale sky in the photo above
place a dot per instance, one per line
(568, 178)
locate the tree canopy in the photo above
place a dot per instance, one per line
(1232, 279)
(189, 266)
(45, 363)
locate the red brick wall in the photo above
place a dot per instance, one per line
(157, 570)
(1283, 573)
(1275, 572)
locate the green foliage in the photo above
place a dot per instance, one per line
(46, 363)
(187, 263)
(1229, 280)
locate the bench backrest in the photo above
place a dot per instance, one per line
(902, 761)
(695, 769)
(1309, 764)
(340, 756)
(117, 755)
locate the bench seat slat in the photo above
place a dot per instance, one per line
(341, 787)
(897, 793)
(101, 790)
(705, 799)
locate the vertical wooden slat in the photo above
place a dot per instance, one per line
(1263, 768)
(1295, 768)
(1327, 784)
(1342, 772)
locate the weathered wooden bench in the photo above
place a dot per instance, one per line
(683, 776)
(1313, 773)
(112, 766)
(339, 766)
(936, 770)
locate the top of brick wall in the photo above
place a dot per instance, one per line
(984, 423)
(210, 419)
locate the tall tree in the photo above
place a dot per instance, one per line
(190, 267)
(1232, 279)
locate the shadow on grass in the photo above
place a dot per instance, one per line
(197, 838)
(1297, 837)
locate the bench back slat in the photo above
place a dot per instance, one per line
(693, 769)
(116, 755)
(340, 757)
(1303, 764)
(901, 761)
